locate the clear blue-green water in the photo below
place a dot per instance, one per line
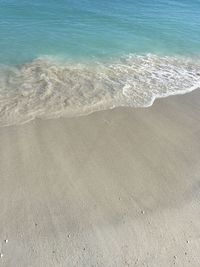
(93, 28)
(71, 57)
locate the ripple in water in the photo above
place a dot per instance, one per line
(49, 88)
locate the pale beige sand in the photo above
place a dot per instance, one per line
(116, 188)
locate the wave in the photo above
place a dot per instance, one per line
(49, 88)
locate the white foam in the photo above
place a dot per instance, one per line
(48, 88)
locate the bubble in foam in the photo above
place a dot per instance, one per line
(47, 88)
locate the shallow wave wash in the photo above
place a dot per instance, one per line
(49, 88)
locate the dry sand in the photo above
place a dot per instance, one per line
(115, 188)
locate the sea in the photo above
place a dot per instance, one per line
(65, 58)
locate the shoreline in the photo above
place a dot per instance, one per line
(154, 99)
(114, 188)
(47, 89)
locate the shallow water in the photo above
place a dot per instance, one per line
(67, 58)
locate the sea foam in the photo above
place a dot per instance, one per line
(49, 88)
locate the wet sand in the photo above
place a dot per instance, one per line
(115, 188)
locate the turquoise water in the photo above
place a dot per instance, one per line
(97, 28)
(73, 57)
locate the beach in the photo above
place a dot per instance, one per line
(99, 133)
(115, 188)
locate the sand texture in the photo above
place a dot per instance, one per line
(115, 188)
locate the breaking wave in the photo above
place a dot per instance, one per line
(49, 88)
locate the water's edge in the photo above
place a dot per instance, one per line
(49, 88)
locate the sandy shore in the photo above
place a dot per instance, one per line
(115, 188)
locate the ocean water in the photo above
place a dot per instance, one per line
(73, 57)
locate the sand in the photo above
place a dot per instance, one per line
(115, 188)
